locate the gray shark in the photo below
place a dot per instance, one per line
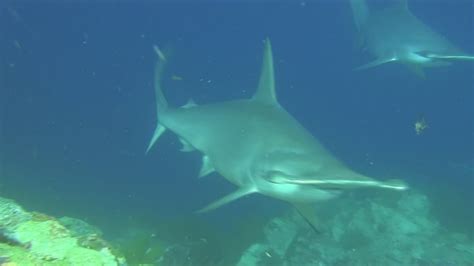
(259, 147)
(394, 34)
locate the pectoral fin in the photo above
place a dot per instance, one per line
(376, 62)
(187, 147)
(159, 130)
(452, 57)
(308, 213)
(206, 167)
(241, 192)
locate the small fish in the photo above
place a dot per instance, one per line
(148, 251)
(177, 78)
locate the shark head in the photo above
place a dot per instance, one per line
(423, 57)
(302, 177)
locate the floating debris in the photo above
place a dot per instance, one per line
(17, 45)
(177, 78)
(420, 126)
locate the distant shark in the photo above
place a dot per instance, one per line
(258, 146)
(394, 34)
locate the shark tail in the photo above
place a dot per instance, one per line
(360, 10)
(161, 102)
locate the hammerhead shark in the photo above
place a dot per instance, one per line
(258, 146)
(394, 34)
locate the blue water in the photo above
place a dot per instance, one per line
(77, 108)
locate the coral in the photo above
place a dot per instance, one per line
(373, 231)
(11, 214)
(38, 239)
(78, 227)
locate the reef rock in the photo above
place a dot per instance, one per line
(377, 230)
(28, 238)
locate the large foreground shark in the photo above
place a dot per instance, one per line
(394, 34)
(258, 146)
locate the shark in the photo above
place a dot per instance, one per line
(394, 34)
(258, 146)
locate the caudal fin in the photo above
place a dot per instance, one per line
(161, 102)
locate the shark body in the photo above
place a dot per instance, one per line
(394, 34)
(259, 147)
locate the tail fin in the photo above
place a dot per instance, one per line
(161, 102)
(361, 12)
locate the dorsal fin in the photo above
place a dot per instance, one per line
(266, 86)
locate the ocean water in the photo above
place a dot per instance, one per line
(77, 108)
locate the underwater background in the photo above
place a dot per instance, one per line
(77, 109)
